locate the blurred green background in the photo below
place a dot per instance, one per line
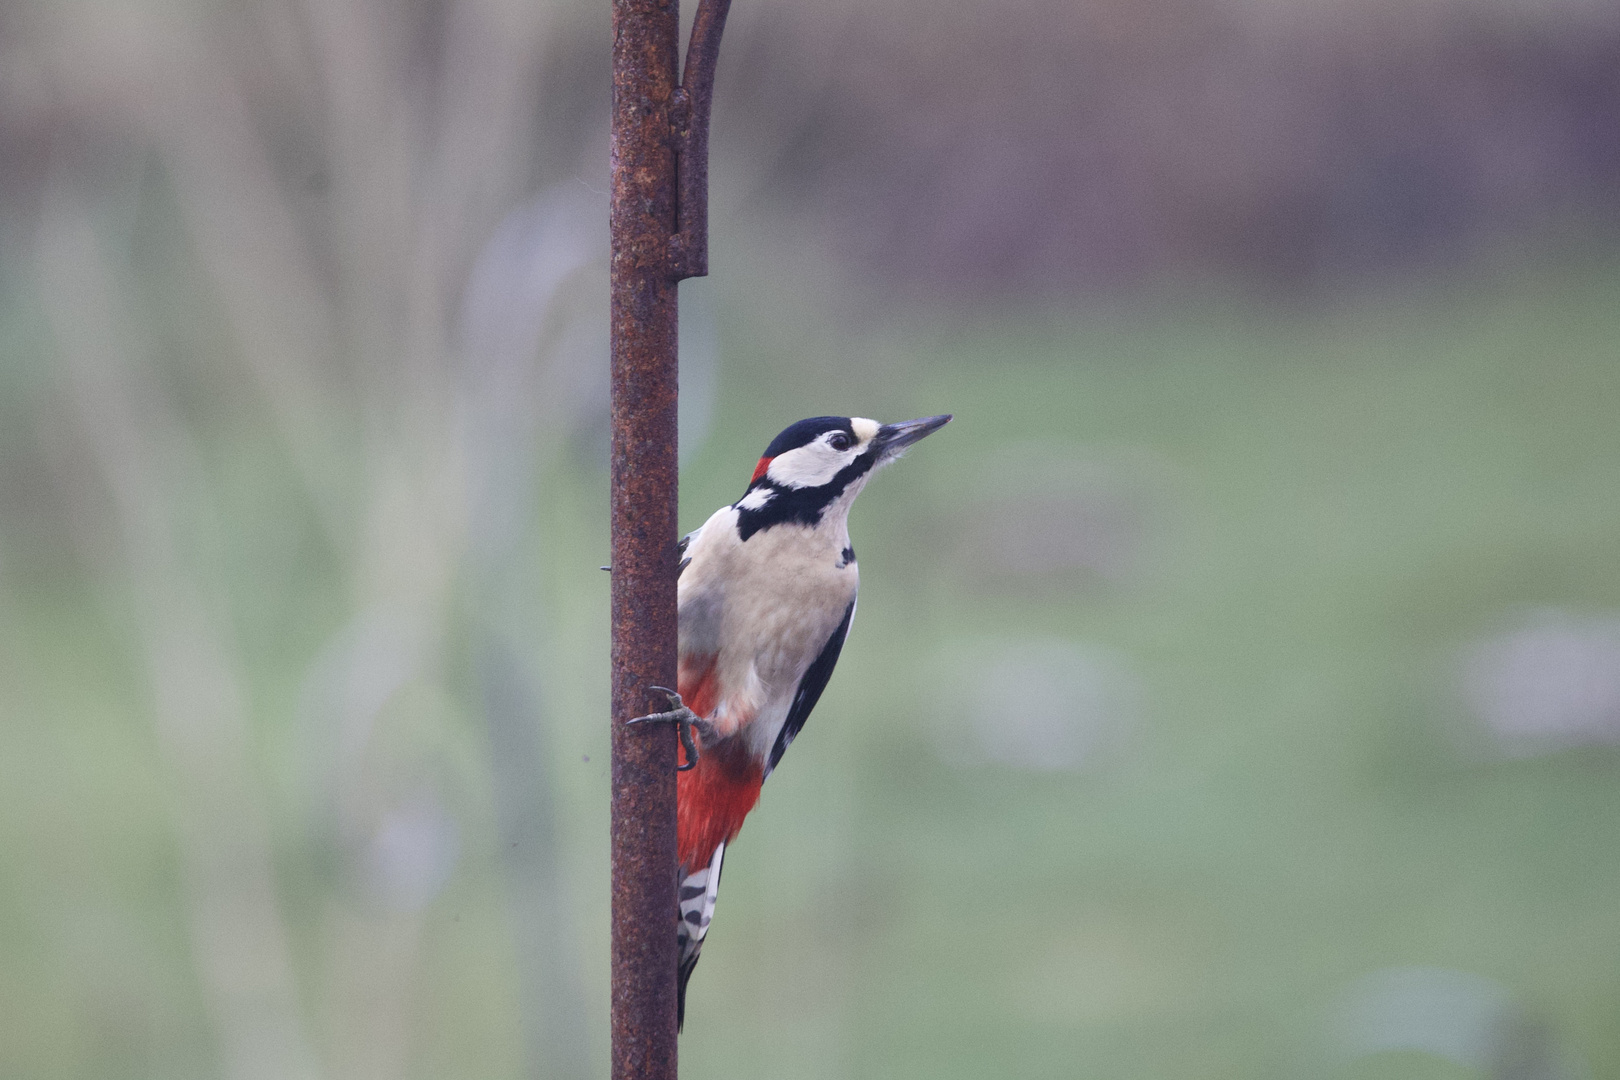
(1236, 686)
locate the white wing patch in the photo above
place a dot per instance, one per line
(755, 499)
(698, 893)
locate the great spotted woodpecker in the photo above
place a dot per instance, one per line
(766, 595)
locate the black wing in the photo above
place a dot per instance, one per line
(810, 688)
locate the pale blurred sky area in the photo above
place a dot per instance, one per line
(1236, 686)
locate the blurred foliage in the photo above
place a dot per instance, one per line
(1346, 498)
(1035, 147)
(1339, 501)
(1281, 343)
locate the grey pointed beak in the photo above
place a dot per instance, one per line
(892, 439)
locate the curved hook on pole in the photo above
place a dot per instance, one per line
(689, 120)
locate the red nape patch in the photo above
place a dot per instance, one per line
(712, 799)
(759, 470)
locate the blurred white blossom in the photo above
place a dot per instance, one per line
(411, 854)
(1464, 1018)
(1552, 681)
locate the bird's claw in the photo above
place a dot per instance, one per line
(684, 720)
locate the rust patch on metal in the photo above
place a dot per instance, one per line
(690, 113)
(643, 516)
(660, 222)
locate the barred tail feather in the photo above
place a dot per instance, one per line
(697, 896)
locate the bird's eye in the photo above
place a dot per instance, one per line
(839, 441)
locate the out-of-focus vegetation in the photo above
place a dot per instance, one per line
(1319, 515)
(1236, 684)
(1292, 530)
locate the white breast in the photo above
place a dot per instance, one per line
(764, 608)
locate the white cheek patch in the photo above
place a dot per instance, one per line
(865, 430)
(755, 499)
(807, 466)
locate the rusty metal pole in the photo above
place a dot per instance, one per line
(659, 221)
(646, 35)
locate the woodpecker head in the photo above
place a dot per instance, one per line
(816, 467)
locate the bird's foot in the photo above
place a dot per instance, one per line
(684, 719)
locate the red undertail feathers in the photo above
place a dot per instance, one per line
(712, 799)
